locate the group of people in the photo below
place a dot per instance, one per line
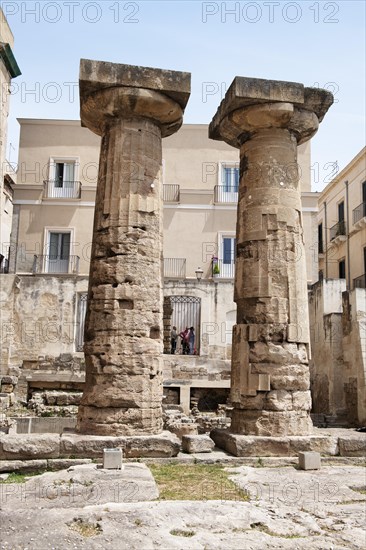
(187, 337)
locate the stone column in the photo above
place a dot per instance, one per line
(270, 386)
(132, 108)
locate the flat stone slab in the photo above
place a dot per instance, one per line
(353, 445)
(197, 444)
(29, 446)
(248, 445)
(164, 445)
(83, 485)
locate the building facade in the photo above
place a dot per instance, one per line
(8, 70)
(342, 225)
(338, 300)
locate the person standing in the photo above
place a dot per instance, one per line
(184, 341)
(173, 340)
(191, 339)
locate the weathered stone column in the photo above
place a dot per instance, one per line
(266, 120)
(132, 108)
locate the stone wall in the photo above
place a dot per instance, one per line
(338, 351)
(38, 324)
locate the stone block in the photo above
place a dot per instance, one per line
(7, 388)
(181, 429)
(247, 445)
(309, 461)
(197, 444)
(28, 447)
(22, 465)
(353, 445)
(164, 445)
(112, 459)
(9, 380)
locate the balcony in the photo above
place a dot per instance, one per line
(360, 282)
(171, 193)
(223, 269)
(359, 215)
(175, 268)
(56, 264)
(338, 232)
(54, 189)
(225, 194)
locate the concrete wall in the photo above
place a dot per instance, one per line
(338, 346)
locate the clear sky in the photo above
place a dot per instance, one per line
(318, 43)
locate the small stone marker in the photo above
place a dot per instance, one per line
(112, 459)
(309, 461)
(197, 444)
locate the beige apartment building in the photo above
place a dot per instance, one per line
(51, 238)
(8, 70)
(342, 225)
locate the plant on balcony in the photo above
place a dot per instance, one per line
(215, 266)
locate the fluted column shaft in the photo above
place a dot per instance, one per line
(270, 382)
(123, 328)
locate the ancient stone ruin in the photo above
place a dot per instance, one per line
(270, 383)
(132, 108)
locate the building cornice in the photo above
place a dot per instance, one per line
(342, 174)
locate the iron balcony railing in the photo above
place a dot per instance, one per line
(360, 282)
(56, 264)
(223, 269)
(54, 189)
(175, 268)
(359, 212)
(338, 229)
(225, 193)
(171, 193)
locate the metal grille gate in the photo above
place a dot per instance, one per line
(187, 313)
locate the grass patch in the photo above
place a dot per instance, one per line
(361, 490)
(16, 477)
(264, 529)
(182, 533)
(84, 528)
(195, 482)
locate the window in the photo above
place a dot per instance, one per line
(342, 269)
(62, 182)
(82, 300)
(341, 211)
(64, 174)
(227, 190)
(227, 256)
(230, 178)
(320, 239)
(58, 252)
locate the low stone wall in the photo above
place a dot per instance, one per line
(42, 425)
(71, 445)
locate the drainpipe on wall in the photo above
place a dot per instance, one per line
(347, 231)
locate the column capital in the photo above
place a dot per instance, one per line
(252, 104)
(113, 90)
